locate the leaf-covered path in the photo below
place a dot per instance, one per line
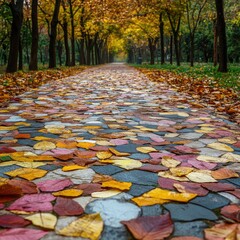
(108, 154)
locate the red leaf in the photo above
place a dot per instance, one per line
(194, 188)
(150, 227)
(21, 234)
(218, 187)
(186, 238)
(67, 207)
(54, 185)
(33, 203)
(7, 150)
(13, 221)
(232, 212)
(167, 183)
(236, 193)
(26, 186)
(89, 188)
(153, 168)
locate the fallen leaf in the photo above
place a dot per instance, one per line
(12, 221)
(44, 220)
(186, 238)
(90, 226)
(224, 173)
(211, 159)
(27, 173)
(105, 194)
(222, 231)
(72, 168)
(54, 185)
(218, 187)
(67, 207)
(86, 144)
(181, 171)
(187, 187)
(118, 185)
(117, 153)
(26, 186)
(33, 203)
(168, 174)
(44, 145)
(66, 144)
(231, 212)
(169, 162)
(220, 146)
(21, 234)
(104, 155)
(89, 188)
(68, 193)
(201, 177)
(127, 163)
(146, 149)
(145, 201)
(150, 227)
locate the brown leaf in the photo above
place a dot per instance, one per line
(150, 227)
(67, 207)
(232, 212)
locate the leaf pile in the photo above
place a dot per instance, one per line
(14, 84)
(204, 91)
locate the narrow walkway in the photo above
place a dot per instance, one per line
(111, 142)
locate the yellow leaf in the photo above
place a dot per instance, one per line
(169, 162)
(30, 164)
(92, 127)
(105, 194)
(206, 158)
(44, 145)
(201, 176)
(205, 130)
(227, 140)
(66, 144)
(169, 195)
(72, 167)
(117, 153)
(119, 185)
(68, 193)
(181, 171)
(143, 201)
(220, 146)
(90, 227)
(231, 157)
(167, 174)
(103, 143)
(85, 144)
(27, 173)
(6, 128)
(127, 163)
(44, 220)
(104, 155)
(146, 149)
(40, 138)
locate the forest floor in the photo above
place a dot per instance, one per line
(110, 154)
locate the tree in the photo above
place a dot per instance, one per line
(221, 30)
(17, 19)
(35, 36)
(53, 35)
(194, 9)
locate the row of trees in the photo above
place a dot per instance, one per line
(194, 30)
(92, 31)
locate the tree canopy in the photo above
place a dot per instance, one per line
(97, 31)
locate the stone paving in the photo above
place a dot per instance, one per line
(111, 142)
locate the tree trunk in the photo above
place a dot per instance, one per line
(215, 44)
(191, 50)
(20, 58)
(152, 50)
(53, 35)
(176, 46)
(161, 26)
(73, 60)
(171, 50)
(221, 28)
(65, 35)
(34, 47)
(17, 14)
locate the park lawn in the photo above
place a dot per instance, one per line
(231, 79)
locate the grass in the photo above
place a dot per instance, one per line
(231, 79)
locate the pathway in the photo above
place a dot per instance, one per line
(110, 141)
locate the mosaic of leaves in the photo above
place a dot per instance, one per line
(111, 134)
